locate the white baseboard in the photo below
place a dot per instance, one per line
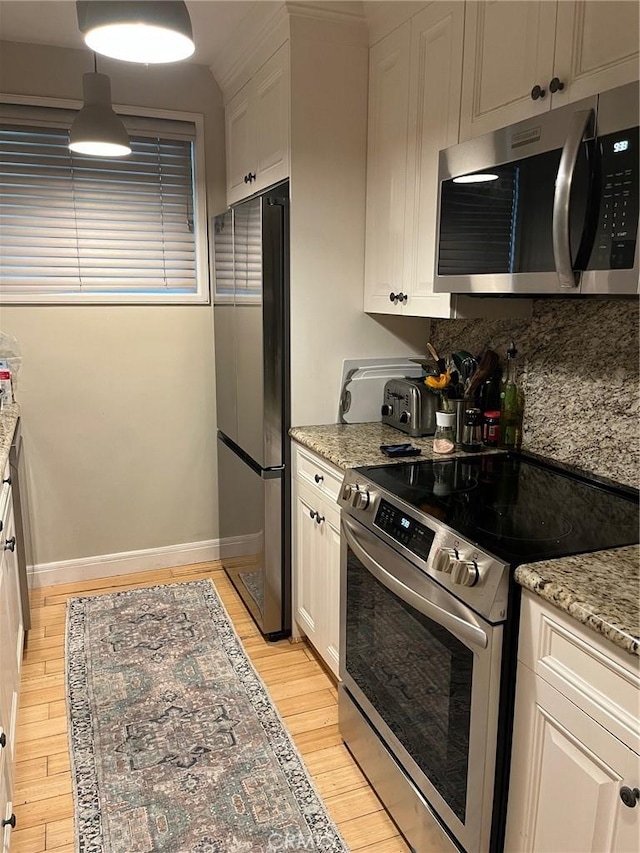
(128, 562)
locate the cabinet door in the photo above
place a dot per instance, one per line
(271, 104)
(596, 47)
(241, 143)
(331, 574)
(434, 121)
(12, 633)
(307, 564)
(508, 49)
(566, 776)
(387, 170)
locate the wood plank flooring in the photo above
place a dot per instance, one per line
(303, 692)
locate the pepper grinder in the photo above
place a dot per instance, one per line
(472, 431)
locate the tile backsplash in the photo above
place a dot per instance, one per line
(580, 366)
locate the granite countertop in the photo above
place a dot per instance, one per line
(355, 445)
(599, 590)
(8, 419)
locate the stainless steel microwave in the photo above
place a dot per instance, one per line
(548, 205)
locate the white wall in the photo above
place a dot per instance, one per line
(118, 403)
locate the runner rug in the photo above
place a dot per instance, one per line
(175, 743)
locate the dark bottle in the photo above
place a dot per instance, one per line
(472, 431)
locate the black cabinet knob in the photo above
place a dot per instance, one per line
(10, 544)
(556, 85)
(7, 481)
(318, 478)
(246, 179)
(10, 821)
(3, 740)
(393, 297)
(251, 177)
(319, 518)
(629, 796)
(537, 92)
(402, 297)
(312, 513)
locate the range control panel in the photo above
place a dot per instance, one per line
(617, 233)
(404, 529)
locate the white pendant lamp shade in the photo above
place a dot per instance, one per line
(148, 31)
(97, 130)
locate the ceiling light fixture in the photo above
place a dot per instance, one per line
(97, 130)
(479, 178)
(137, 31)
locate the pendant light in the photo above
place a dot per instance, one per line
(97, 130)
(137, 30)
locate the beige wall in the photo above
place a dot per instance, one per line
(118, 403)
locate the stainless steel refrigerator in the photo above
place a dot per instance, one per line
(251, 315)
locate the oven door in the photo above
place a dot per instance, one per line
(424, 670)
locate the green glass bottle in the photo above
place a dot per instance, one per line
(511, 404)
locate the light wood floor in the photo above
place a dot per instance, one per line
(301, 689)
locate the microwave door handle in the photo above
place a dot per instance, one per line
(457, 626)
(567, 276)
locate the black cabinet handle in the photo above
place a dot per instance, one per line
(402, 297)
(3, 740)
(10, 821)
(629, 796)
(312, 513)
(537, 92)
(251, 177)
(10, 544)
(319, 518)
(393, 297)
(318, 478)
(556, 85)
(7, 481)
(247, 179)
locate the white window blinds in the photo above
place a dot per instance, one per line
(74, 224)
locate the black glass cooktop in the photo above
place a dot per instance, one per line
(518, 508)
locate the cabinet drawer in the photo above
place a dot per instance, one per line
(322, 475)
(597, 676)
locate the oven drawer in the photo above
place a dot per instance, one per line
(588, 669)
(319, 473)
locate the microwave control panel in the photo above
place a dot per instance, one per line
(615, 242)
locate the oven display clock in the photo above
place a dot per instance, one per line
(620, 146)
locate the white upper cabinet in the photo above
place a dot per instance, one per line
(509, 47)
(596, 47)
(387, 172)
(257, 130)
(415, 78)
(521, 59)
(434, 119)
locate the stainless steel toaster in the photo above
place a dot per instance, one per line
(410, 406)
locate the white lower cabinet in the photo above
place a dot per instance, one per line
(572, 757)
(316, 554)
(11, 644)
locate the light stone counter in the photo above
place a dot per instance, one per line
(8, 420)
(355, 445)
(599, 590)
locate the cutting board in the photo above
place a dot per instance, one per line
(362, 386)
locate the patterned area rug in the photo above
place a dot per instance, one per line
(175, 743)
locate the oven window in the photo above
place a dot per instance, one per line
(416, 675)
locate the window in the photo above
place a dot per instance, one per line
(78, 229)
(237, 253)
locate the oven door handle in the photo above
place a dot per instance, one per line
(461, 628)
(567, 276)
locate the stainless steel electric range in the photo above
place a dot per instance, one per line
(429, 619)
